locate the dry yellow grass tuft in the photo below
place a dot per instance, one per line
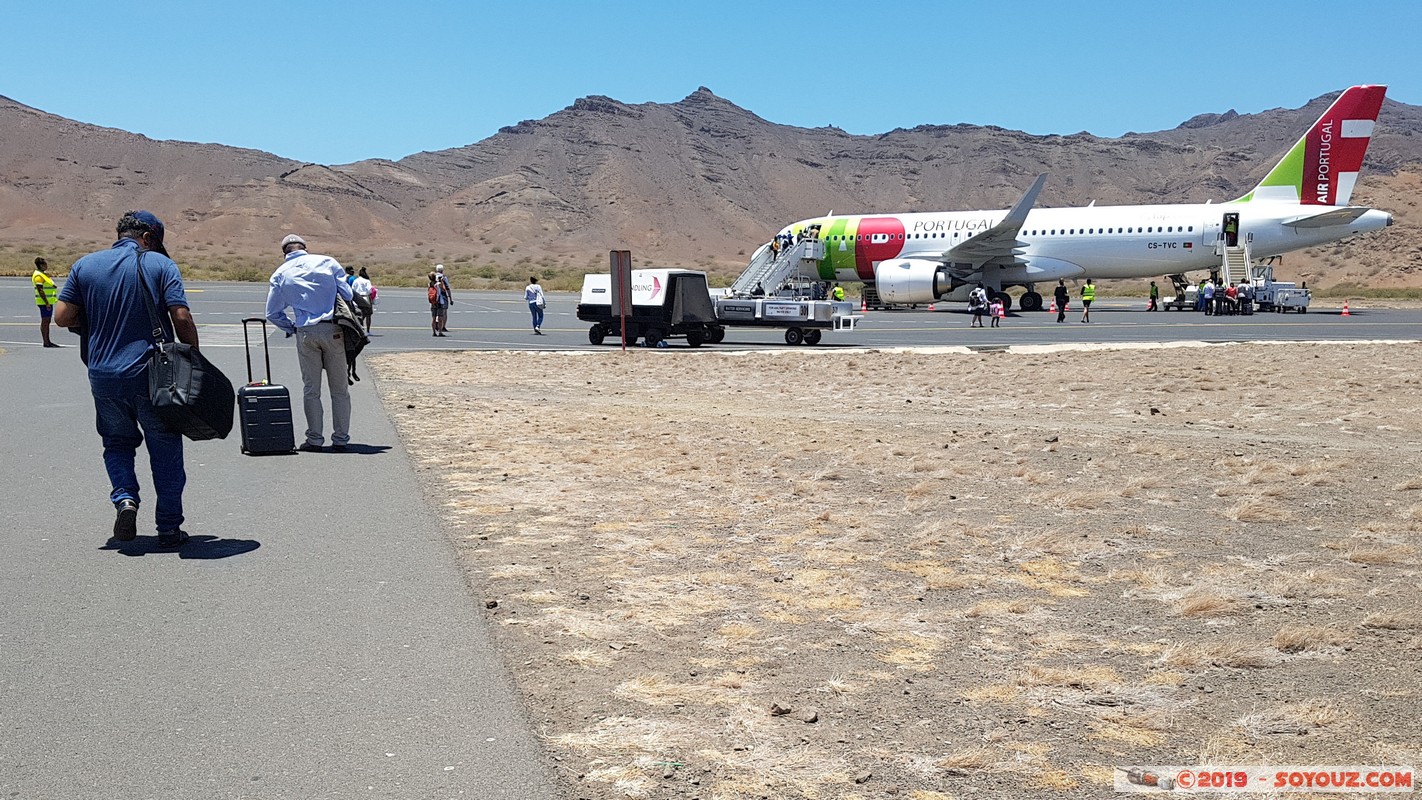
(1301, 638)
(1309, 583)
(1291, 719)
(1141, 729)
(1257, 509)
(1208, 603)
(1089, 677)
(992, 608)
(978, 759)
(1099, 775)
(1056, 780)
(1379, 555)
(1392, 620)
(1237, 654)
(935, 574)
(1076, 499)
(996, 693)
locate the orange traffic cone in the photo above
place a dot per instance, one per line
(1345, 309)
(930, 307)
(1053, 309)
(863, 305)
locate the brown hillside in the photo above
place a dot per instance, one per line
(697, 182)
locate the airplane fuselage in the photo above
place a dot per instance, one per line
(1095, 241)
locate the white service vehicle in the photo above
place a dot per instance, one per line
(1278, 296)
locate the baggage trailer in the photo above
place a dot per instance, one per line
(804, 320)
(1277, 296)
(666, 304)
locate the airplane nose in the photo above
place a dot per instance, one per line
(1389, 221)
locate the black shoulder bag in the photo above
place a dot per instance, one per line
(189, 393)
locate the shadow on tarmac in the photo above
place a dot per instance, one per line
(354, 449)
(202, 548)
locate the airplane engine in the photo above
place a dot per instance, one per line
(910, 280)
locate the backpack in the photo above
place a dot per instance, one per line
(352, 334)
(434, 295)
(362, 305)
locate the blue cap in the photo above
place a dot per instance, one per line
(154, 224)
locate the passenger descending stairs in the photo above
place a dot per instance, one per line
(1235, 264)
(801, 259)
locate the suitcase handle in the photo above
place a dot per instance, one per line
(247, 346)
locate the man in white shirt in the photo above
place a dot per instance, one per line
(308, 284)
(533, 295)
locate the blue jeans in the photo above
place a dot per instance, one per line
(537, 312)
(122, 408)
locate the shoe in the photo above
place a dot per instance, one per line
(126, 523)
(51, 344)
(434, 334)
(172, 538)
(307, 447)
(339, 448)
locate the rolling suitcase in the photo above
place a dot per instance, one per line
(264, 408)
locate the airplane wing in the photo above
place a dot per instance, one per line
(1337, 216)
(999, 243)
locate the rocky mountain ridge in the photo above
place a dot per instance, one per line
(699, 182)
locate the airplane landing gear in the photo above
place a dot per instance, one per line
(1031, 301)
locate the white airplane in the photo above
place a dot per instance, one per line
(922, 257)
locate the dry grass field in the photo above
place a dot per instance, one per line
(818, 574)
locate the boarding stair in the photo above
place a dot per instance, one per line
(1234, 265)
(771, 271)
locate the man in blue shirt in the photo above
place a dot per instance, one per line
(104, 295)
(308, 284)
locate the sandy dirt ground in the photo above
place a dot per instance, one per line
(936, 575)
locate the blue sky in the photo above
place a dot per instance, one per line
(334, 82)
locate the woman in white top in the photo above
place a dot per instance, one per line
(363, 287)
(533, 293)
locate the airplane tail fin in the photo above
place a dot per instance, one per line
(1321, 169)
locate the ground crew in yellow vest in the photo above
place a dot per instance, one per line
(838, 293)
(46, 294)
(1088, 293)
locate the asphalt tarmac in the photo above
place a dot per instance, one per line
(316, 638)
(500, 320)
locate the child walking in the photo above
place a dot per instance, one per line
(996, 312)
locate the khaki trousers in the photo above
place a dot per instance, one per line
(320, 347)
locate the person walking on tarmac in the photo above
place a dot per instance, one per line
(1088, 293)
(838, 293)
(46, 295)
(105, 295)
(1154, 297)
(1061, 297)
(977, 305)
